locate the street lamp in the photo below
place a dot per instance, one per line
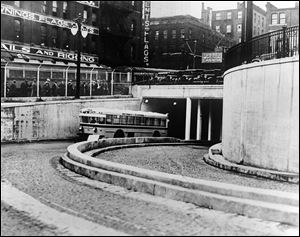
(78, 29)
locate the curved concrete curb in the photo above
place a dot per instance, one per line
(261, 203)
(215, 158)
(63, 222)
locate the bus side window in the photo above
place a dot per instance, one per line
(92, 120)
(108, 118)
(123, 119)
(147, 121)
(130, 120)
(163, 122)
(157, 122)
(101, 120)
(116, 119)
(142, 120)
(84, 119)
(137, 120)
(151, 121)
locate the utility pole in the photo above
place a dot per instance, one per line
(249, 29)
(78, 20)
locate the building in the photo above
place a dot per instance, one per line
(229, 22)
(279, 17)
(43, 29)
(175, 40)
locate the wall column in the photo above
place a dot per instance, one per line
(188, 118)
(209, 121)
(199, 121)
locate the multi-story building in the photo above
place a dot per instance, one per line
(114, 29)
(280, 17)
(229, 22)
(175, 39)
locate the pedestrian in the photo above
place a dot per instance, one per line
(13, 89)
(54, 89)
(24, 88)
(61, 88)
(33, 88)
(46, 88)
(70, 88)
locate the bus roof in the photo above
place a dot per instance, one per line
(120, 111)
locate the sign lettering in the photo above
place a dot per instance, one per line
(90, 3)
(214, 57)
(47, 53)
(146, 31)
(31, 16)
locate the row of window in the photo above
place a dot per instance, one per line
(125, 120)
(228, 15)
(256, 29)
(64, 10)
(173, 34)
(278, 18)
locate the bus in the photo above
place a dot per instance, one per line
(114, 123)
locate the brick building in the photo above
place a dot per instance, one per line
(174, 39)
(279, 17)
(229, 22)
(114, 27)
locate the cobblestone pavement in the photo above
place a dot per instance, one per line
(32, 169)
(188, 161)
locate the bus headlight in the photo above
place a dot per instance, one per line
(80, 129)
(95, 130)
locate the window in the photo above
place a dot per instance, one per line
(65, 8)
(262, 22)
(258, 19)
(132, 52)
(218, 28)
(274, 19)
(132, 3)
(94, 19)
(54, 36)
(84, 15)
(240, 39)
(66, 38)
(240, 14)
(239, 28)
(254, 18)
(282, 18)
(182, 32)
(218, 16)
(54, 8)
(173, 34)
(133, 27)
(43, 34)
(254, 30)
(228, 29)
(165, 34)
(190, 33)
(17, 3)
(156, 34)
(43, 7)
(17, 30)
(228, 15)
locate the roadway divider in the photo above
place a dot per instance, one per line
(253, 202)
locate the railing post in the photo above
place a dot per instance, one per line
(284, 42)
(5, 80)
(112, 83)
(66, 84)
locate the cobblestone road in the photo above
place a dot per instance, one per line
(33, 169)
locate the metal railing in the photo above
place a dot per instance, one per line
(277, 44)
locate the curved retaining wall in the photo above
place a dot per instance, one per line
(52, 119)
(261, 114)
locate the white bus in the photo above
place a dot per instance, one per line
(112, 123)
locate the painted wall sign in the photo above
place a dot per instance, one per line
(56, 54)
(90, 3)
(214, 57)
(146, 31)
(50, 20)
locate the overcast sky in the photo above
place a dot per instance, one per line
(171, 8)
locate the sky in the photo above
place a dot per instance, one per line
(172, 8)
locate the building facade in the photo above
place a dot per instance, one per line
(114, 30)
(229, 22)
(280, 17)
(177, 42)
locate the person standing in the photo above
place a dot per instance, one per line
(54, 89)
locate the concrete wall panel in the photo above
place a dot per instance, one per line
(261, 114)
(51, 120)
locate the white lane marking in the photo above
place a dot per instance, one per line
(63, 222)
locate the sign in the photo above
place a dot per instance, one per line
(74, 29)
(50, 20)
(90, 3)
(146, 31)
(63, 55)
(214, 57)
(84, 31)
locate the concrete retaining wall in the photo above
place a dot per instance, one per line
(51, 120)
(261, 114)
